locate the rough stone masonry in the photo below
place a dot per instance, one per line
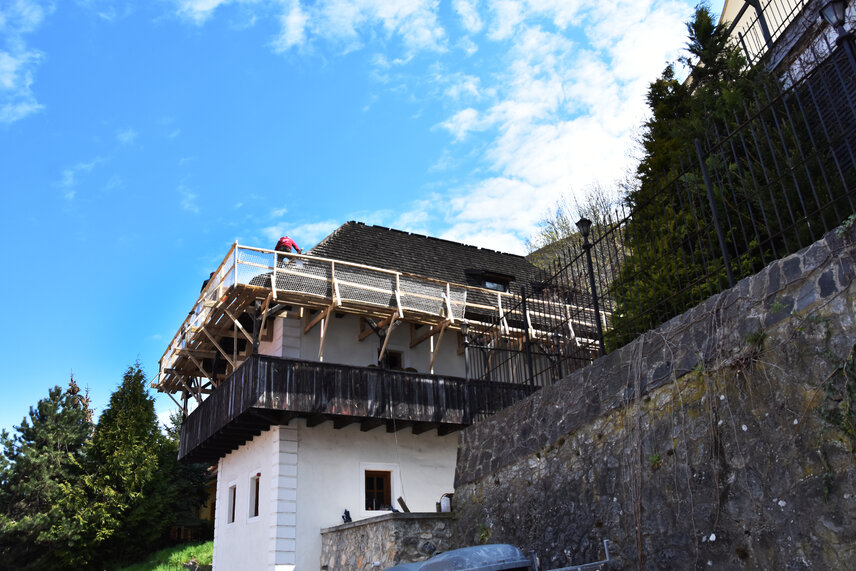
(724, 439)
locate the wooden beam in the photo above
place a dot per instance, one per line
(392, 323)
(433, 330)
(315, 420)
(317, 319)
(364, 331)
(238, 325)
(197, 352)
(396, 425)
(371, 423)
(202, 370)
(437, 346)
(421, 427)
(342, 422)
(217, 346)
(263, 311)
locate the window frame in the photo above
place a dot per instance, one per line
(253, 497)
(394, 485)
(231, 503)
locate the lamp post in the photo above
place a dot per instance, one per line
(833, 13)
(584, 226)
(465, 339)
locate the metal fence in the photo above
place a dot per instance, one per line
(776, 178)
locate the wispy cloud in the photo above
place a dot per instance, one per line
(351, 25)
(70, 177)
(127, 136)
(187, 199)
(553, 89)
(18, 62)
(306, 234)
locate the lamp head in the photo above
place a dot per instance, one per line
(584, 226)
(833, 13)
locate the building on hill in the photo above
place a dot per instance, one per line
(336, 380)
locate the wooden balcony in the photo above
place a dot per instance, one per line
(266, 391)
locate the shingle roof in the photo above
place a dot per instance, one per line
(436, 258)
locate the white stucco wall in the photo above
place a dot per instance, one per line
(309, 476)
(268, 540)
(342, 346)
(331, 464)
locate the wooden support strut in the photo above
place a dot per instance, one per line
(238, 325)
(202, 370)
(439, 338)
(393, 322)
(217, 346)
(433, 330)
(317, 319)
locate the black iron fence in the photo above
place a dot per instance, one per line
(770, 181)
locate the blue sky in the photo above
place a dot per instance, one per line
(138, 140)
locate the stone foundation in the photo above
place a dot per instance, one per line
(384, 541)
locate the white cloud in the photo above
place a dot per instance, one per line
(470, 18)
(187, 199)
(462, 123)
(554, 88)
(70, 177)
(306, 234)
(18, 62)
(293, 22)
(127, 136)
(352, 23)
(198, 11)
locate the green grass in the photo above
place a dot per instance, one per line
(171, 558)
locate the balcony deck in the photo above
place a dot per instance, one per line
(251, 281)
(266, 391)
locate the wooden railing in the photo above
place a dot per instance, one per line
(269, 390)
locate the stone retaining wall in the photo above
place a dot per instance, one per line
(384, 541)
(723, 439)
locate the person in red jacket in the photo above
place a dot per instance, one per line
(285, 244)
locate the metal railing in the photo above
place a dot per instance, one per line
(759, 24)
(773, 179)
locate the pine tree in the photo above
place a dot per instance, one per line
(126, 449)
(44, 459)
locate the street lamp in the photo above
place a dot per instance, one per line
(584, 226)
(834, 13)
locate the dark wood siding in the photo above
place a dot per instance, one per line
(267, 390)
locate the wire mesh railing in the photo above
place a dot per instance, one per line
(772, 179)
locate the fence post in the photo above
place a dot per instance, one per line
(725, 257)
(526, 336)
(584, 226)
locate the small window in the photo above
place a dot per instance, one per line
(254, 495)
(496, 285)
(393, 360)
(378, 490)
(232, 498)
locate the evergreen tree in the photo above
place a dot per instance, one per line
(44, 459)
(126, 449)
(670, 236)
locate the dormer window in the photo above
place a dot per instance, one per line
(496, 285)
(487, 279)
